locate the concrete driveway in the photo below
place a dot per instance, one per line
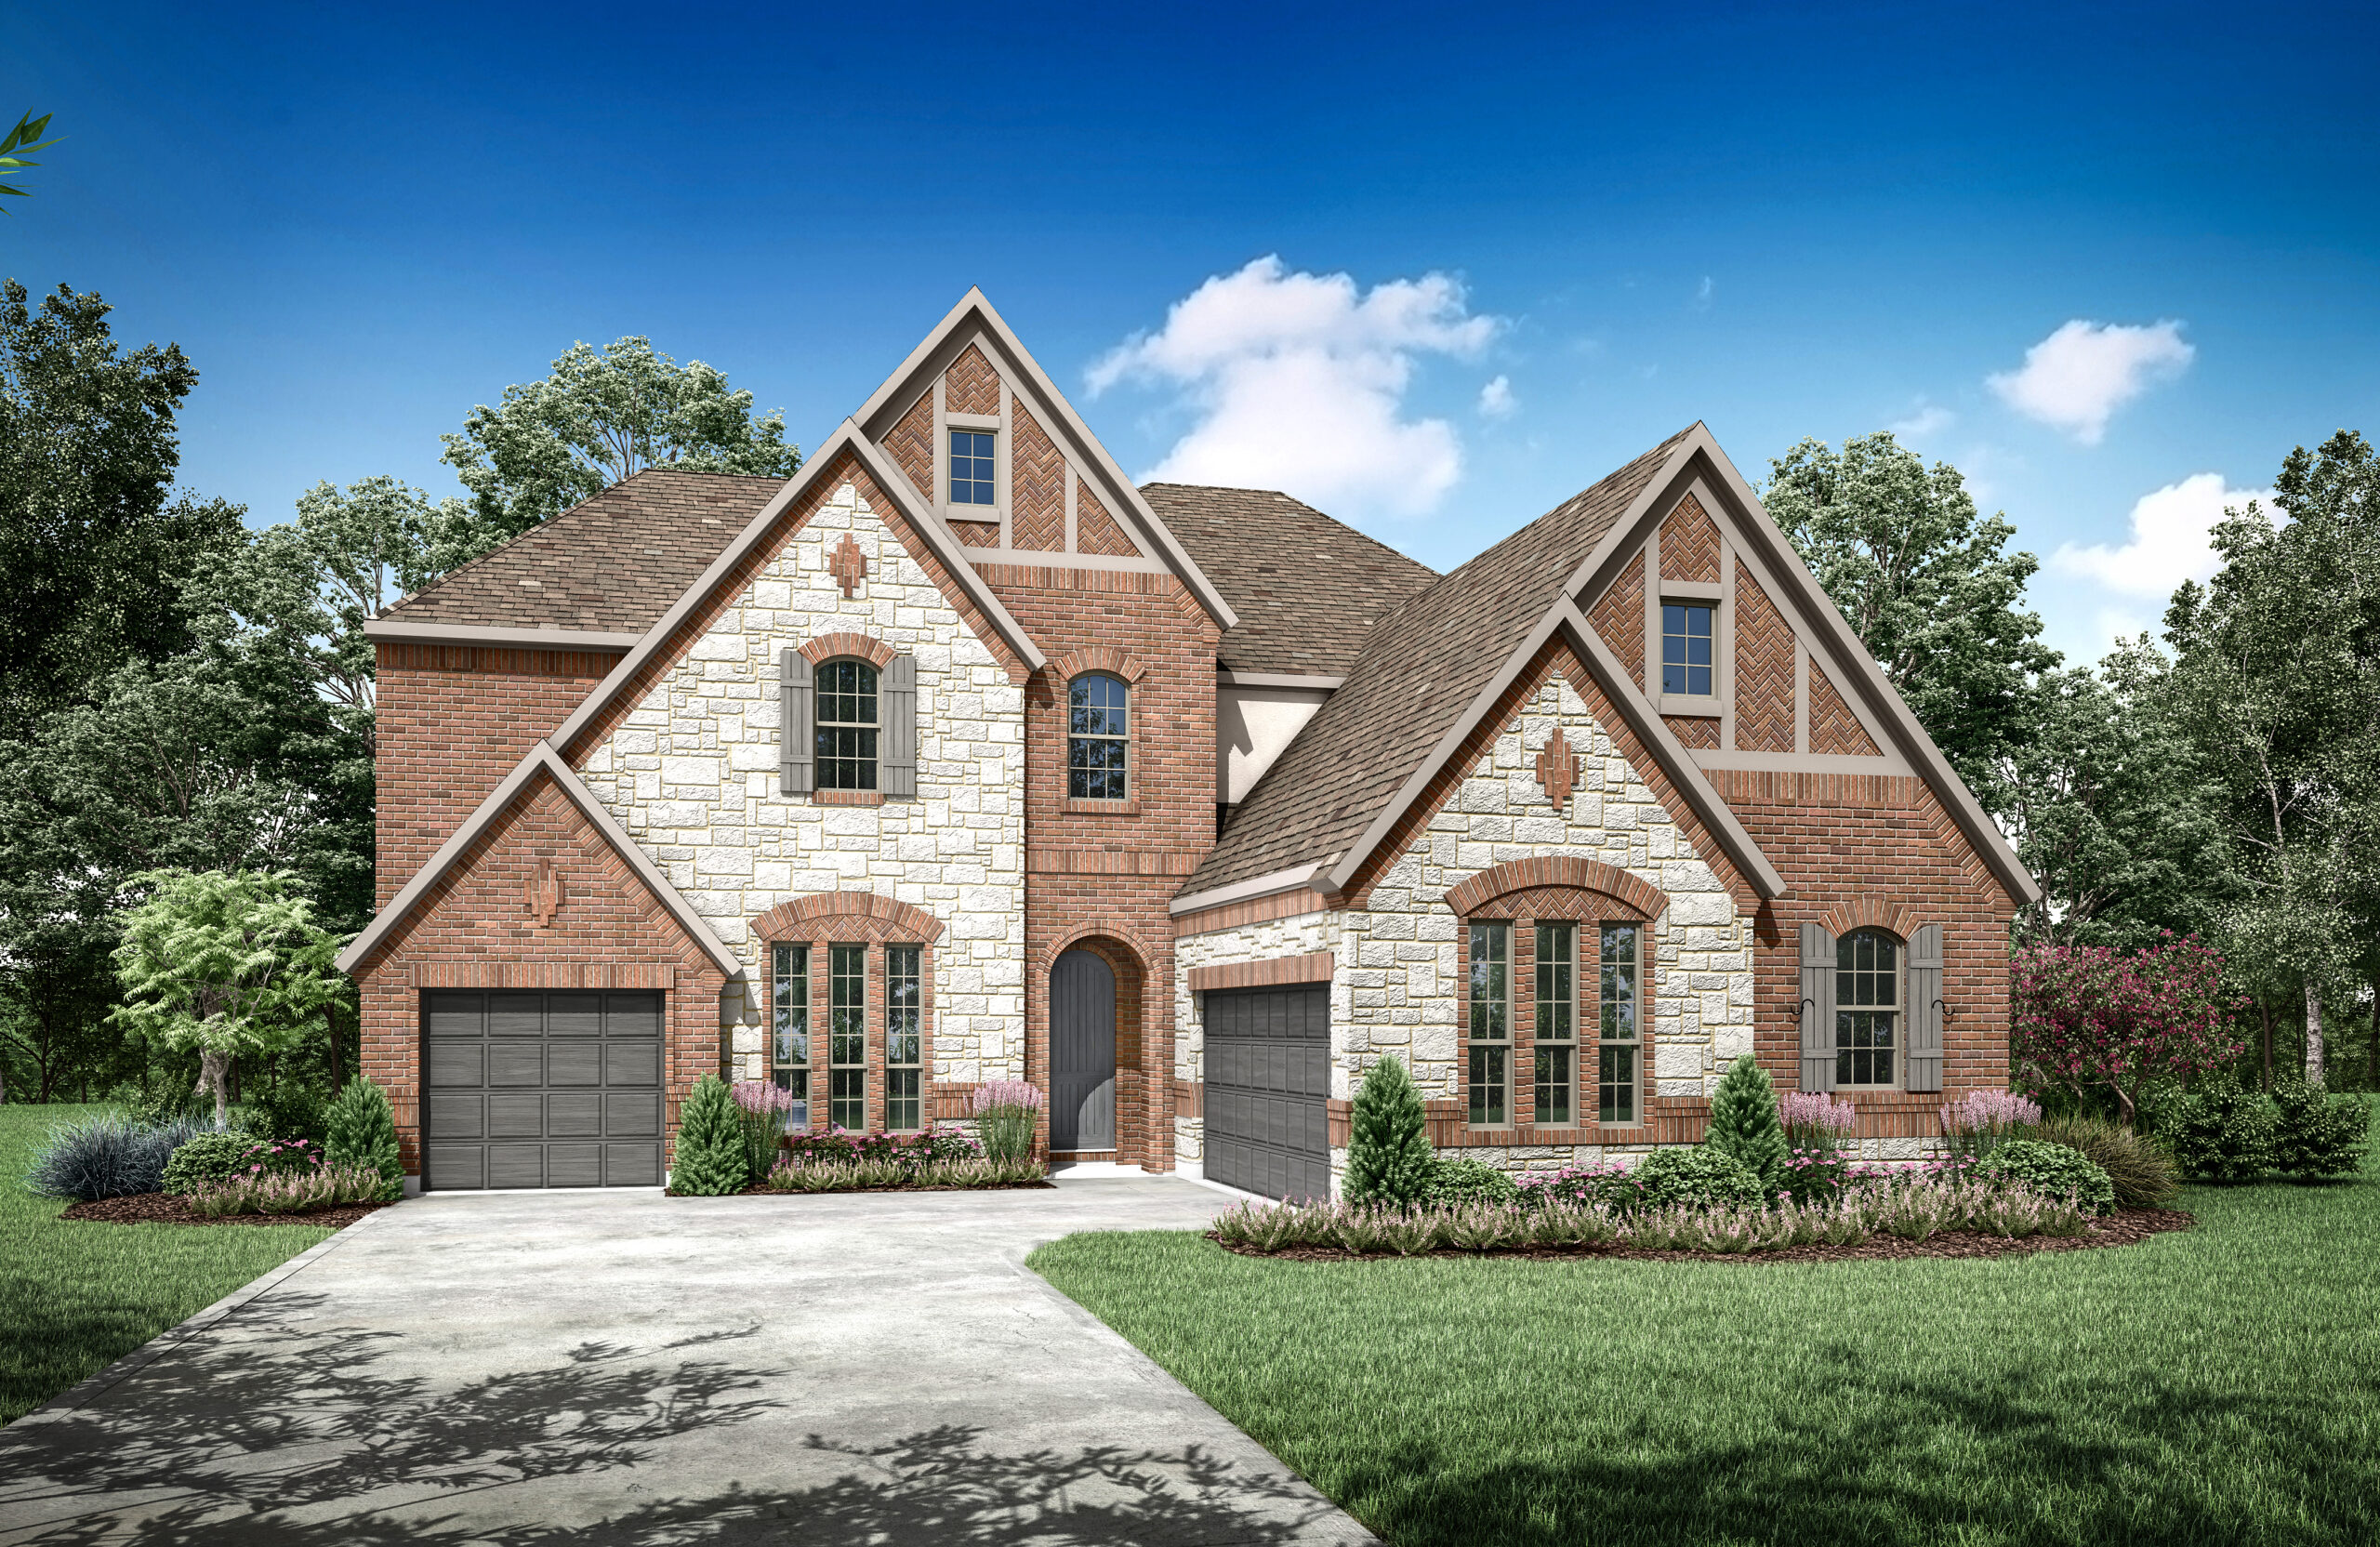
(625, 1368)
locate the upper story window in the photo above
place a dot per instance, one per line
(972, 479)
(1867, 1008)
(1686, 648)
(847, 725)
(1096, 737)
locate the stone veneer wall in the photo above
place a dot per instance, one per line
(692, 773)
(1399, 986)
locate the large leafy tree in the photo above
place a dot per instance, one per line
(600, 417)
(2277, 681)
(93, 544)
(1929, 587)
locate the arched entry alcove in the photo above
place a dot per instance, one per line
(1094, 1050)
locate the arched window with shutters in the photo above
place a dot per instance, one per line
(1098, 737)
(1872, 1009)
(848, 725)
(844, 739)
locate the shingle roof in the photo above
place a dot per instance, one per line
(1412, 678)
(1307, 588)
(612, 565)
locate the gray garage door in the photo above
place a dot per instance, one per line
(542, 1090)
(1268, 1089)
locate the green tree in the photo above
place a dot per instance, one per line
(1929, 588)
(21, 141)
(363, 1132)
(711, 1160)
(230, 962)
(1744, 1122)
(94, 549)
(600, 417)
(1389, 1158)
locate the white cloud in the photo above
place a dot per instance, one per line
(2169, 539)
(1927, 419)
(2077, 376)
(1495, 400)
(1702, 295)
(1298, 383)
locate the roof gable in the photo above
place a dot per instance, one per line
(887, 418)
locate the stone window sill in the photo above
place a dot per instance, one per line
(846, 797)
(1101, 808)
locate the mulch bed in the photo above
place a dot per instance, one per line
(166, 1209)
(2126, 1227)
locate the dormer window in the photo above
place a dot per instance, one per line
(971, 477)
(1686, 648)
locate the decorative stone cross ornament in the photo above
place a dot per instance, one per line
(848, 565)
(1558, 770)
(545, 892)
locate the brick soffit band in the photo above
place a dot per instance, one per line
(1771, 550)
(818, 470)
(1319, 967)
(540, 759)
(1565, 871)
(889, 400)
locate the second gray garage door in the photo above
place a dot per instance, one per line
(1268, 1089)
(542, 1090)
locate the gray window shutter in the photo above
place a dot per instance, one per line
(1818, 1007)
(1925, 1009)
(797, 724)
(898, 777)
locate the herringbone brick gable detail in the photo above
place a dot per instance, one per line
(1618, 616)
(1569, 872)
(1764, 670)
(910, 445)
(1690, 543)
(1833, 728)
(970, 386)
(1095, 530)
(1038, 478)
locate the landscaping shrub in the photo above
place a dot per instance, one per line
(843, 1147)
(1455, 1180)
(289, 1192)
(206, 1160)
(291, 1110)
(359, 1129)
(760, 1112)
(2220, 1131)
(2315, 1134)
(1814, 1175)
(2052, 1171)
(1981, 1121)
(1696, 1178)
(1814, 1121)
(1388, 1142)
(1744, 1121)
(799, 1174)
(107, 1155)
(1004, 1118)
(710, 1143)
(2142, 1173)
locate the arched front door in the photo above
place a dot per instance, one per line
(1082, 1053)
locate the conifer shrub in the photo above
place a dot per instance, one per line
(2315, 1134)
(359, 1129)
(1389, 1158)
(1744, 1122)
(711, 1159)
(2221, 1131)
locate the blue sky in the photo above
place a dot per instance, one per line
(361, 221)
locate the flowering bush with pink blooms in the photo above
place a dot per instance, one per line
(2088, 1018)
(841, 1146)
(266, 1192)
(1815, 1120)
(1004, 1118)
(762, 1108)
(1981, 1121)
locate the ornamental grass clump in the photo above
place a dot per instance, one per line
(760, 1111)
(1744, 1121)
(1389, 1158)
(289, 1192)
(361, 1130)
(107, 1156)
(2140, 1171)
(1981, 1121)
(1005, 1118)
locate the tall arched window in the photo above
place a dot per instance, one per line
(847, 725)
(1867, 1008)
(1096, 737)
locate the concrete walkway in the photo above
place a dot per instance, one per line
(623, 1368)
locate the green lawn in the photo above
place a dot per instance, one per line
(2218, 1385)
(75, 1297)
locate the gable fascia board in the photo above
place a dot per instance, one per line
(1564, 616)
(1125, 496)
(845, 438)
(1883, 699)
(1643, 511)
(1297, 877)
(400, 631)
(540, 759)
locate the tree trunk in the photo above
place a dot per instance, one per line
(212, 1066)
(2265, 1010)
(2371, 1049)
(2314, 1035)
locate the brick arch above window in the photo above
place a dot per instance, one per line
(835, 647)
(1098, 657)
(1867, 913)
(847, 915)
(1562, 872)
